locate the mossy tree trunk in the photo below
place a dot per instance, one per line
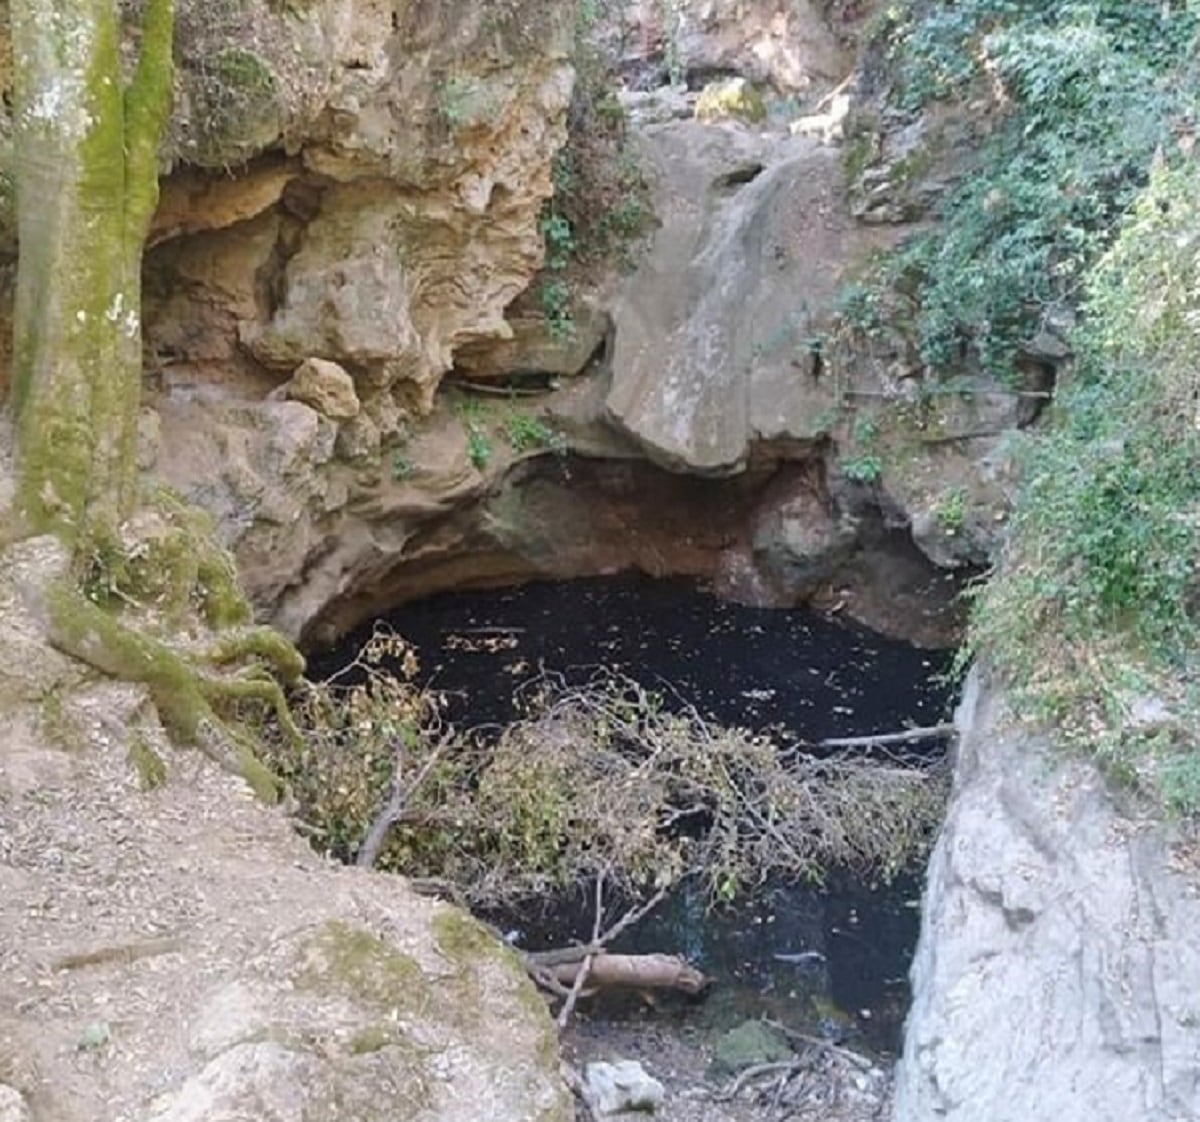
(86, 165)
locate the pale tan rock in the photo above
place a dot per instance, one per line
(790, 44)
(327, 387)
(532, 350)
(714, 331)
(13, 1107)
(193, 202)
(223, 970)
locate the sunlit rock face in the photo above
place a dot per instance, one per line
(1056, 975)
(359, 188)
(396, 158)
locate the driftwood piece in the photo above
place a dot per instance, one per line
(882, 740)
(634, 971)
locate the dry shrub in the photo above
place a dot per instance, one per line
(601, 779)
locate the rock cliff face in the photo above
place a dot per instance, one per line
(353, 203)
(353, 200)
(1057, 971)
(387, 235)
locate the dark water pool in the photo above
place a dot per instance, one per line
(841, 953)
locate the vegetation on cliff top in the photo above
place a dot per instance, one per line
(1092, 615)
(1080, 95)
(1082, 206)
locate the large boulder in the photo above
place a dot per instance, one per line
(174, 952)
(795, 46)
(1058, 972)
(717, 331)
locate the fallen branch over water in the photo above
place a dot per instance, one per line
(633, 971)
(882, 740)
(590, 967)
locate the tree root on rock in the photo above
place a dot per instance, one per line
(187, 694)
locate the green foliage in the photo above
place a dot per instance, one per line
(581, 787)
(554, 299)
(864, 465)
(402, 465)
(471, 413)
(479, 448)
(527, 433)
(1086, 93)
(1095, 605)
(951, 510)
(600, 208)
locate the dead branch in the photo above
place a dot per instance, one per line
(757, 1071)
(853, 1058)
(636, 971)
(398, 797)
(882, 740)
(635, 915)
(585, 967)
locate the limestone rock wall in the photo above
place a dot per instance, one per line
(1058, 971)
(357, 187)
(389, 164)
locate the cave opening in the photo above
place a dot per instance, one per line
(651, 589)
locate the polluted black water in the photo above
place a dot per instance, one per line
(836, 958)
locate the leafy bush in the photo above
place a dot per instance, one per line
(1092, 615)
(1086, 93)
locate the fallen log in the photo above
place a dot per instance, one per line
(633, 971)
(882, 740)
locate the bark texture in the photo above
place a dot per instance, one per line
(87, 185)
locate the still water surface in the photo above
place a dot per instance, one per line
(801, 955)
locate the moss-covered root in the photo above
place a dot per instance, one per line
(264, 643)
(186, 696)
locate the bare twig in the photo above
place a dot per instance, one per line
(393, 809)
(757, 1071)
(564, 1015)
(816, 1042)
(634, 916)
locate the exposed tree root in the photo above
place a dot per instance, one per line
(188, 697)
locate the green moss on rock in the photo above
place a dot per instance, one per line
(236, 109)
(468, 945)
(735, 98)
(342, 960)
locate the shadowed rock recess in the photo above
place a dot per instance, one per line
(377, 358)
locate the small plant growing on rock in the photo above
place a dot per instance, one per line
(479, 445)
(402, 466)
(865, 465)
(951, 510)
(527, 433)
